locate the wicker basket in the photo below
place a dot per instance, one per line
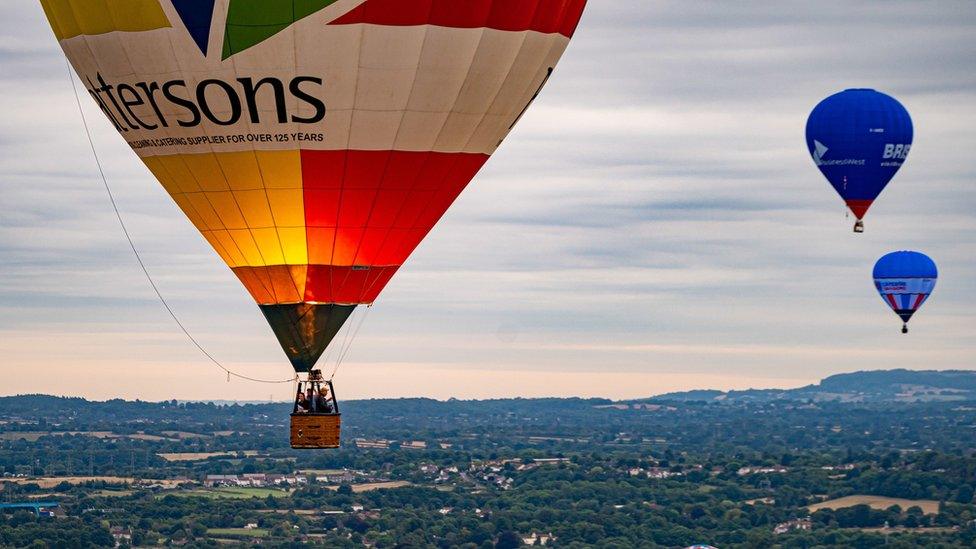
(315, 430)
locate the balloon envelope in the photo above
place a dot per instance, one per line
(859, 139)
(905, 280)
(314, 143)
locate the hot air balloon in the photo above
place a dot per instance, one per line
(859, 138)
(314, 143)
(905, 280)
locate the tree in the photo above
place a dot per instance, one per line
(508, 540)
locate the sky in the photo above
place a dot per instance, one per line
(654, 223)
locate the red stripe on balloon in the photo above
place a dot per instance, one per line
(544, 16)
(366, 211)
(859, 207)
(346, 285)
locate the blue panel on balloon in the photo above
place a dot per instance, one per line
(859, 139)
(905, 265)
(197, 15)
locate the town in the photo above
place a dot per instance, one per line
(559, 473)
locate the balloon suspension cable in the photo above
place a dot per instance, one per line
(145, 270)
(348, 341)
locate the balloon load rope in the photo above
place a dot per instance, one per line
(347, 342)
(135, 252)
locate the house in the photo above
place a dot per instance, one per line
(250, 526)
(211, 481)
(258, 479)
(764, 501)
(376, 444)
(344, 475)
(414, 445)
(796, 524)
(120, 535)
(285, 480)
(778, 469)
(660, 472)
(541, 539)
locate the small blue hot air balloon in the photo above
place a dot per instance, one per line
(859, 138)
(905, 280)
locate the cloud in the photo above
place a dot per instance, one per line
(654, 214)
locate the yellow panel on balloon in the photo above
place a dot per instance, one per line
(206, 171)
(241, 170)
(293, 245)
(269, 246)
(179, 171)
(255, 208)
(230, 247)
(287, 207)
(227, 209)
(231, 258)
(281, 169)
(249, 249)
(163, 175)
(70, 18)
(191, 212)
(205, 210)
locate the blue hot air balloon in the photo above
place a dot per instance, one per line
(859, 138)
(905, 280)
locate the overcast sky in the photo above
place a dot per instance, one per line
(654, 223)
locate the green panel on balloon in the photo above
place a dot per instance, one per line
(250, 22)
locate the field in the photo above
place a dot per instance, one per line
(228, 492)
(34, 436)
(113, 493)
(51, 482)
(930, 507)
(201, 456)
(151, 438)
(370, 486)
(238, 532)
(183, 434)
(29, 436)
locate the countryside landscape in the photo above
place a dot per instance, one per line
(866, 459)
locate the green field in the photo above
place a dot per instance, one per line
(113, 493)
(238, 532)
(233, 493)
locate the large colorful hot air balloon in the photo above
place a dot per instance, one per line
(314, 143)
(859, 139)
(905, 280)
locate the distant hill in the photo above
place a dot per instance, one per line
(873, 386)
